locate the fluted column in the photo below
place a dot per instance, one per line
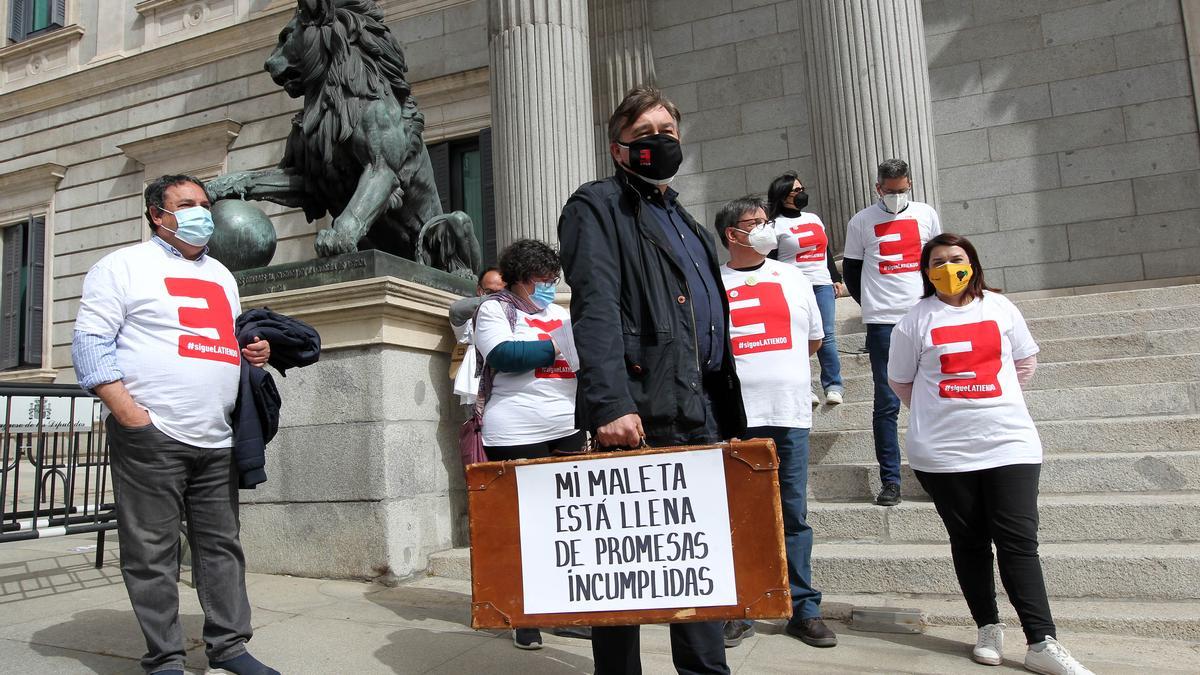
(868, 96)
(541, 112)
(621, 59)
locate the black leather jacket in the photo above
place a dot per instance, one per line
(631, 314)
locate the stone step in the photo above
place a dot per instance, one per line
(1126, 571)
(1072, 374)
(1061, 474)
(1096, 303)
(1093, 571)
(1177, 620)
(1089, 348)
(849, 314)
(1120, 435)
(1131, 400)
(1163, 620)
(1097, 517)
(1149, 343)
(452, 563)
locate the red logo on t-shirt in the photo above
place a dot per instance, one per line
(908, 246)
(771, 311)
(983, 360)
(216, 315)
(561, 369)
(812, 241)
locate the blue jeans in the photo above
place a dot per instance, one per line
(887, 404)
(792, 446)
(827, 355)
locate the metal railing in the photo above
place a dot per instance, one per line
(54, 475)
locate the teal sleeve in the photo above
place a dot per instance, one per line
(516, 356)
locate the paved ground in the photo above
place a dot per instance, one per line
(58, 614)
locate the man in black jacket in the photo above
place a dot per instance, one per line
(649, 316)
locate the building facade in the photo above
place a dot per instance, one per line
(1060, 135)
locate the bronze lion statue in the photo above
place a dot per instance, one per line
(355, 150)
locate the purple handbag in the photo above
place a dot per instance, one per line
(470, 440)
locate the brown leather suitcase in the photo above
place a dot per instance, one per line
(626, 564)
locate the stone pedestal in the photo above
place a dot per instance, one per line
(869, 101)
(364, 477)
(541, 112)
(621, 59)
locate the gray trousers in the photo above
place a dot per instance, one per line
(157, 480)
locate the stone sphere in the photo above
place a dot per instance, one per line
(244, 237)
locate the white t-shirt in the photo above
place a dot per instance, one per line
(173, 321)
(968, 412)
(802, 244)
(889, 244)
(772, 316)
(536, 405)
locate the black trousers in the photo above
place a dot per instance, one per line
(564, 445)
(696, 648)
(998, 506)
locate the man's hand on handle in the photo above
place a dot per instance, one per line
(623, 432)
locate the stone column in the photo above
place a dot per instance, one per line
(541, 112)
(621, 59)
(868, 95)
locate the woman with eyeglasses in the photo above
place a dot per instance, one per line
(527, 389)
(958, 360)
(802, 242)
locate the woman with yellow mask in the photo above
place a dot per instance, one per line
(958, 360)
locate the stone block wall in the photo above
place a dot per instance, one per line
(1067, 145)
(735, 68)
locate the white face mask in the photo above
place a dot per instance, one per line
(895, 203)
(761, 239)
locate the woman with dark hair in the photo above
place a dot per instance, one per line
(958, 359)
(527, 389)
(802, 243)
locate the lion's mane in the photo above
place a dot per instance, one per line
(347, 60)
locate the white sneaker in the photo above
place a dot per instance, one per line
(1053, 659)
(815, 400)
(833, 397)
(989, 645)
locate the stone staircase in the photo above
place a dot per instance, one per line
(1117, 402)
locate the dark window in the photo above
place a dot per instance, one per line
(463, 171)
(31, 17)
(22, 288)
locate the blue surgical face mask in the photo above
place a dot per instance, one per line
(543, 293)
(194, 225)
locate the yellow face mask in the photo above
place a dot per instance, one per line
(951, 278)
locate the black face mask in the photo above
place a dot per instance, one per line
(801, 200)
(655, 158)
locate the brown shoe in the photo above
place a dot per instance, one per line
(812, 632)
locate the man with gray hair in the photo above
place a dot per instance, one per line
(882, 270)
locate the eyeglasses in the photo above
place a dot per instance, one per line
(796, 191)
(758, 222)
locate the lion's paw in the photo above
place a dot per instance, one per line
(331, 242)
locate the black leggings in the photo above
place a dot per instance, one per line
(995, 505)
(564, 445)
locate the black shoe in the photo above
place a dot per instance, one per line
(736, 631)
(889, 495)
(578, 632)
(243, 664)
(812, 632)
(527, 638)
